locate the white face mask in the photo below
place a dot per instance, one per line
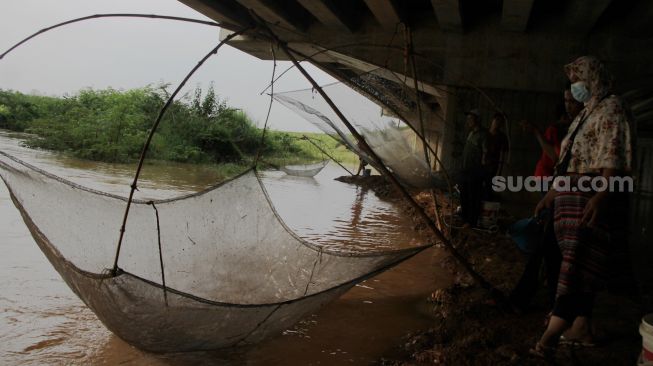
(580, 92)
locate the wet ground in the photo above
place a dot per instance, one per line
(43, 322)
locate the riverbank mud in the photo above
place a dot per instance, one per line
(470, 328)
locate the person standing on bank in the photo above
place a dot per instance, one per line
(598, 144)
(547, 251)
(471, 183)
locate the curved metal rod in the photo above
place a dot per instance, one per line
(113, 15)
(149, 137)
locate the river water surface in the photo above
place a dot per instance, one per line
(43, 322)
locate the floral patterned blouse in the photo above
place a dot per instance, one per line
(603, 140)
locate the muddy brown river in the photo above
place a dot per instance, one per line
(43, 322)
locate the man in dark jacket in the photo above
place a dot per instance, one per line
(471, 183)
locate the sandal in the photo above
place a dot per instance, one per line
(542, 351)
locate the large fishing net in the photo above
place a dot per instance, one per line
(233, 271)
(208, 270)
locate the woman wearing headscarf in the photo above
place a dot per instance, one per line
(598, 144)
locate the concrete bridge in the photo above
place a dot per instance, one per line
(489, 54)
(511, 49)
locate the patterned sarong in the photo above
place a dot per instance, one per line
(585, 250)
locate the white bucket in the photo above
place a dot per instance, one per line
(489, 214)
(646, 330)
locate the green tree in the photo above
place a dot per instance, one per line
(112, 125)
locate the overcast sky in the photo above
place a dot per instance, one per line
(128, 53)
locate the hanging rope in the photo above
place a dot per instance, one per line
(418, 99)
(425, 143)
(115, 15)
(153, 130)
(158, 233)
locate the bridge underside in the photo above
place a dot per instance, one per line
(493, 55)
(508, 45)
(504, 55)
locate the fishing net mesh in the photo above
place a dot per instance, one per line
(209, 235)
(390, 138)
(220, 250)
(219, 267)
(304, 170)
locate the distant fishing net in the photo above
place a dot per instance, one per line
(304, 170)
(398, 146)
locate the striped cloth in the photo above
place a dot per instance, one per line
(585, 251)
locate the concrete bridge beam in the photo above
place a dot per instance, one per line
(330, 14)
(385, 12)
(227, 12)
(291, 16)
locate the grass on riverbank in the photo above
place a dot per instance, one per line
(335, 149)
(111, 126)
